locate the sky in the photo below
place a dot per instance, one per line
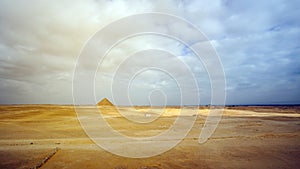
(257, 42)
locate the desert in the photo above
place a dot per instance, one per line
(50, 136)
(149, 84)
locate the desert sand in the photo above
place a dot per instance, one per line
(50, 136)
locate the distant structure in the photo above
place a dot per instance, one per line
(107, 108)
(104, 102)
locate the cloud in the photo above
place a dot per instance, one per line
(257, 41)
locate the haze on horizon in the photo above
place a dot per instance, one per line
(257, 42)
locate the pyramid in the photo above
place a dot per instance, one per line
(107, 108)
(104, 102)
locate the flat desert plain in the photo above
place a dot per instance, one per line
(50, 136)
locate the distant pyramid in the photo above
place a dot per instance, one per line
(105, 102)
(107, 108)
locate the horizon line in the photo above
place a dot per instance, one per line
(225, 105)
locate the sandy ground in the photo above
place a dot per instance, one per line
(49, 136)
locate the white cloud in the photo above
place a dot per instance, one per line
(258, 43)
